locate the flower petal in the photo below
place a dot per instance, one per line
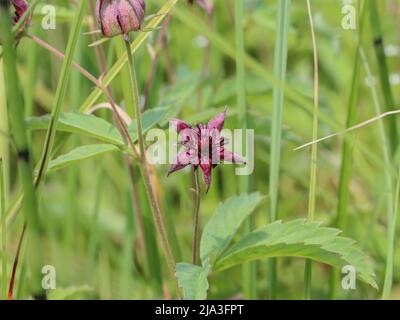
(217, 122)
(182, 160)
(206, 168)
(232, 157)
(179, 125)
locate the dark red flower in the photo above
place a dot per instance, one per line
(120, 16)
(203, 146)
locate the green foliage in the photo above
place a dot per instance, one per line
(79, 123)
(298, 239)
(80, 153)
(224, 224)
(193, 280)
(98, 226)
(71, 293)
(95, 127)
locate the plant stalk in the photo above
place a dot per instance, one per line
(249, 268)
(378, 42)
(347, 150)
(388, 179)
(314, 151)
(280, 64)
(3, 233)
(196, 224)
(151, 193)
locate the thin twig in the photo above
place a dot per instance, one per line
(154, 202)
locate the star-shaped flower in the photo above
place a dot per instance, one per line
(203, 147)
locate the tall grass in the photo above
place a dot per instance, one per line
(3, 234)
(314, 151)
(347, 150)
(106, 233)
(280, 63)
(378, 41)
(61, 89)
(249, 269)
(144, 167)
(387, 176)
(20, 136)
(4, 129)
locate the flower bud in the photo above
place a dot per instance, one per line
(120, 16)
(20, 7)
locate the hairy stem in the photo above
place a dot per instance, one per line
(196, 225)
(155, 206)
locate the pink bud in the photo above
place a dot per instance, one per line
(120, 16)
(20, 7)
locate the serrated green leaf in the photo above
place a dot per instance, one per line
(79, 123)
(149, 119)
(79, 154)
(298, 239)
(225, 222)
(193, 280)
(95, 127)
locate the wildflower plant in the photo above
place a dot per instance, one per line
(228, 230)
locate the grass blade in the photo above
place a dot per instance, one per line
(3, 234)
(280, 63)
(61, 89)
(314, 151)
(249, 268)
(347, 148)
(383, 72)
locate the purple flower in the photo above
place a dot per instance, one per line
(203, 147)
(120, 16)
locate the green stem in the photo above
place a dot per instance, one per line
(388, 179)
(3, 234)
(314, 151)
(391, 239)
(280, 64)
(378, 42)
(249, 268)
(345, 170)
(151, 193)
(196, 224)
(20, 136)
(61, 89)
(4, 128)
